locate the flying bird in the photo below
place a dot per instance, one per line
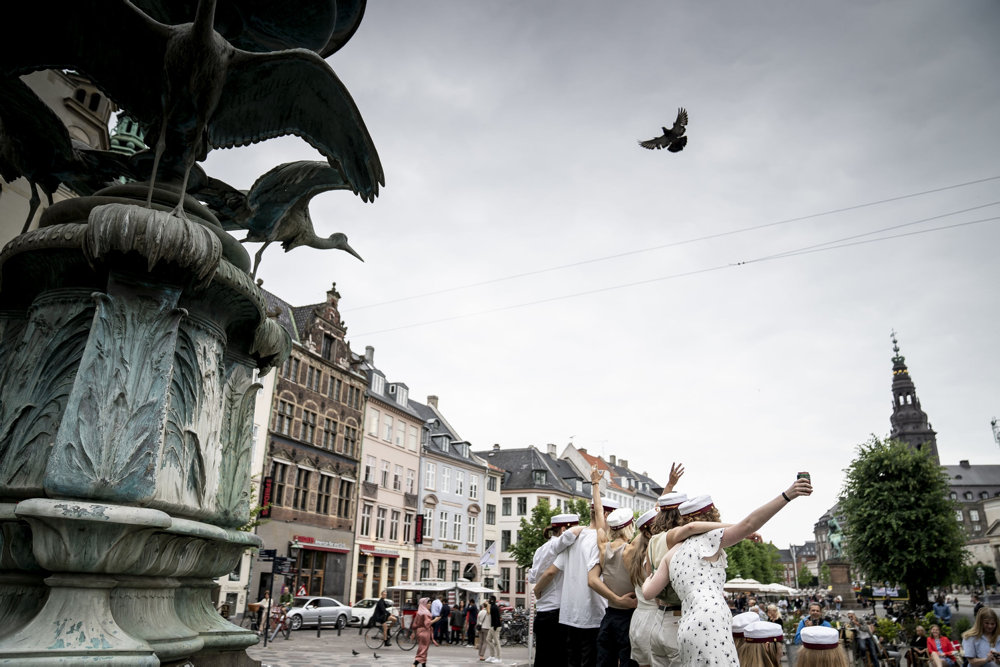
(673, 139)
(276, 208)
(35, 143)
(198, 92)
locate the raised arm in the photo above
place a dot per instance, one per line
(753, 522)
(681, 533)
(676, 472)
(597, 521)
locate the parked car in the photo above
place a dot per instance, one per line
(309, 610)
(361, 612)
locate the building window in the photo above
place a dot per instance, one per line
(504, 540)
(983, 495)
(323, 494)
(385, 474)
(456, 570)
(456, 528)
(293, 370)
(371, 424)
(459, 482)
(412, 438)
(411, 477)
(344, 498)
(973, 515)
(504, 579)
(308, 426)
(328, 347)
(301, 489)
(400, 433)
(380, 523)
(473, 520)
(491, 515)
(442, 569)
(366, 520)
(279, 472)
(387, 427)
(953, 495)
(473, 487)
(429, 471)
(397, 478)
(520, 580)
(505, 506)
(538, 476)
(428, 522)
(334, 388)
(445, 479)
(329, 434)
(369, 468)
(967, 495)
(425, 570)
(407, 527)
(353, 398)
(442, 525)
(959, 516)
(404, 569)
(283, 419)
(394, 526)
(522, 505)
(350, 440)
(314, 377)
(491, 483)
(378, 384)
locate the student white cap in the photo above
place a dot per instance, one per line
(741, 621)
(696, 505)
(669, 501)
(819, 637)
(645, 518)
(761, 632)
(620, 518)
(565, 519)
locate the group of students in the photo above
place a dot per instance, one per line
(646, 591)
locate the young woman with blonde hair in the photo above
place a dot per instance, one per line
(981, 642)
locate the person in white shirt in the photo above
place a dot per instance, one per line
(546, 574)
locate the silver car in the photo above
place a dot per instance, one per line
(309, 611)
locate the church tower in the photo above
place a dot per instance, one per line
(909, 422)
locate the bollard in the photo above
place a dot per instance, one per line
(319, 625)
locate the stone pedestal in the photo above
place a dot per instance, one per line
(840, 582)
(128, 344)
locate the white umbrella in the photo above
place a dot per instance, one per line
(739, 584)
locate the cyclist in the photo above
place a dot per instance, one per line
(383, 616)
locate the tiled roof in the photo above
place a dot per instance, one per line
(521, 464)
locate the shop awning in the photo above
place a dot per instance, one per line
(475, 587)
(429, 586)
(306, 542)
(372, 550)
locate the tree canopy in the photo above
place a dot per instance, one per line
(901, 525)
(753, 560)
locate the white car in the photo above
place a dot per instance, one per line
(361, 612)
(309, 610)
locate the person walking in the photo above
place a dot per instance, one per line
(487, 618)
(422, 627)
(471, 619)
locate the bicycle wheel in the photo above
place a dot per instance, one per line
(504, 637)
(373, 637)
(406, 639)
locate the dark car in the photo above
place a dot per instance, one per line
(309, 611)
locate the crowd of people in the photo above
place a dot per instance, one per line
(649, 591)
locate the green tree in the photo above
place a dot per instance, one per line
(753, 560)
(824, 574)
(805, 578)
(529, 535)
(901, 526)
(578, 506)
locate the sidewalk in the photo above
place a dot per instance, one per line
(305, 650)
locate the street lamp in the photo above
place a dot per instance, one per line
(982, 581)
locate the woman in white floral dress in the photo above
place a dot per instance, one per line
(696, 566)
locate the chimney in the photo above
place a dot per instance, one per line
(432, 401)
(370, 354)
(612, 457)
(582, 450)
(496, 447)
(623, 463)
(552, 449)
(964, 463)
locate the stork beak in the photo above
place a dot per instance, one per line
(347, 248)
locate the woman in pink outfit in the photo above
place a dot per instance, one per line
(422, 626)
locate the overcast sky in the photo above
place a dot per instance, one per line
(551, 281)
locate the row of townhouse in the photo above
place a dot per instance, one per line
(368, 488)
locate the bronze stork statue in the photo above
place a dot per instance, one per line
(276, 208)
(195, 90)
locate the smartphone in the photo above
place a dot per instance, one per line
(805, 476)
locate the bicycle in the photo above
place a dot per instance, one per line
(406, 638)
(279, 623)
(514, 631)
